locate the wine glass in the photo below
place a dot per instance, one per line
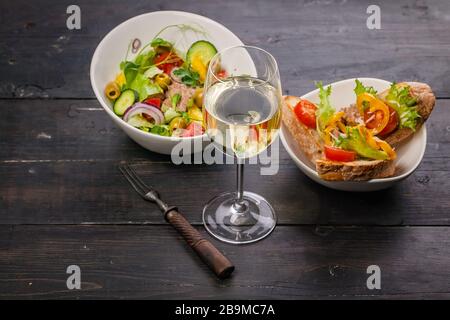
(242, 116)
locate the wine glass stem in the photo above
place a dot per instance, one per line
(240, 181)
(239, 204)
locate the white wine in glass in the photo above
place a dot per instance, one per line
(242, 115)
(244, 112)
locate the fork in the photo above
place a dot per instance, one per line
(218, 263)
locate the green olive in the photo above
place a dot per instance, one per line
(177, 123)
(163, 80)
(195, 113)
(198, 97)
(112, 90)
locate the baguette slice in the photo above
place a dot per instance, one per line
(308, 139)
(310, 143)
(425, 104)
(360, 170)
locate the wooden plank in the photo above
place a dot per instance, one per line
(44, 59)
(65, 171)
(64, 129)
(95, 192)
(294, 262)
(81, 130)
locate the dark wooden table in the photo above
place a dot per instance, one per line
(63, 200)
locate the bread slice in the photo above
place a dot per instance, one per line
(360, 170)
(308, 139)
(425, 104)
(310, 143)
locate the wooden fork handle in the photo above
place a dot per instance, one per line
(218, 263)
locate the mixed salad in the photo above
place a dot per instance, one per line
(161, 90)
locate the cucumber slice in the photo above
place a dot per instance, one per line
(202, 49)
(139, 121)
(125, 100)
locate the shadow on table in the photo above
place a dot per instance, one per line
(296, 198)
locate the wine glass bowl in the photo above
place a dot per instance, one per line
(242, 116)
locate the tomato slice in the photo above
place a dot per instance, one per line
(371, 119)
(306, 112)
(337, 154)
(156, 102)
(170, 56)
(161, 57)
(392, 124)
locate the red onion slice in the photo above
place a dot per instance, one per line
(139, 108)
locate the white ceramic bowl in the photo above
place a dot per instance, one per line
(111, 51)
(409, 154)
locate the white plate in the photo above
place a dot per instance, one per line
(409, 154)
(111, 51)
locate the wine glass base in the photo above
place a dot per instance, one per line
(224, 222)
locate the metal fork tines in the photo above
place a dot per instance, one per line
(141, 188)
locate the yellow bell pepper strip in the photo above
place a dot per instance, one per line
(120, 79)
(333, 124)
(341, 126)
(377, 143)
(198, 66)
(368, 135)
(360, 99)
(336, 118)
(386, 148)
(327, 136)
(375, 105)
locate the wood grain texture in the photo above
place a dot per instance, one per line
(96, 193)
(42, 58)
(64, 129)
(294, 262)
(63, 200)
(65, 171)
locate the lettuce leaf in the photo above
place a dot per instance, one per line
(152, 72)
(162, 130)
(175, 100)
(400, 99)
(144, 87)
(142, 62)
(159, 42)
(170, 114)
(145, 60)
(353, 140)
(360, 88)
(130, 70)
(324, 111)
(140, 122)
